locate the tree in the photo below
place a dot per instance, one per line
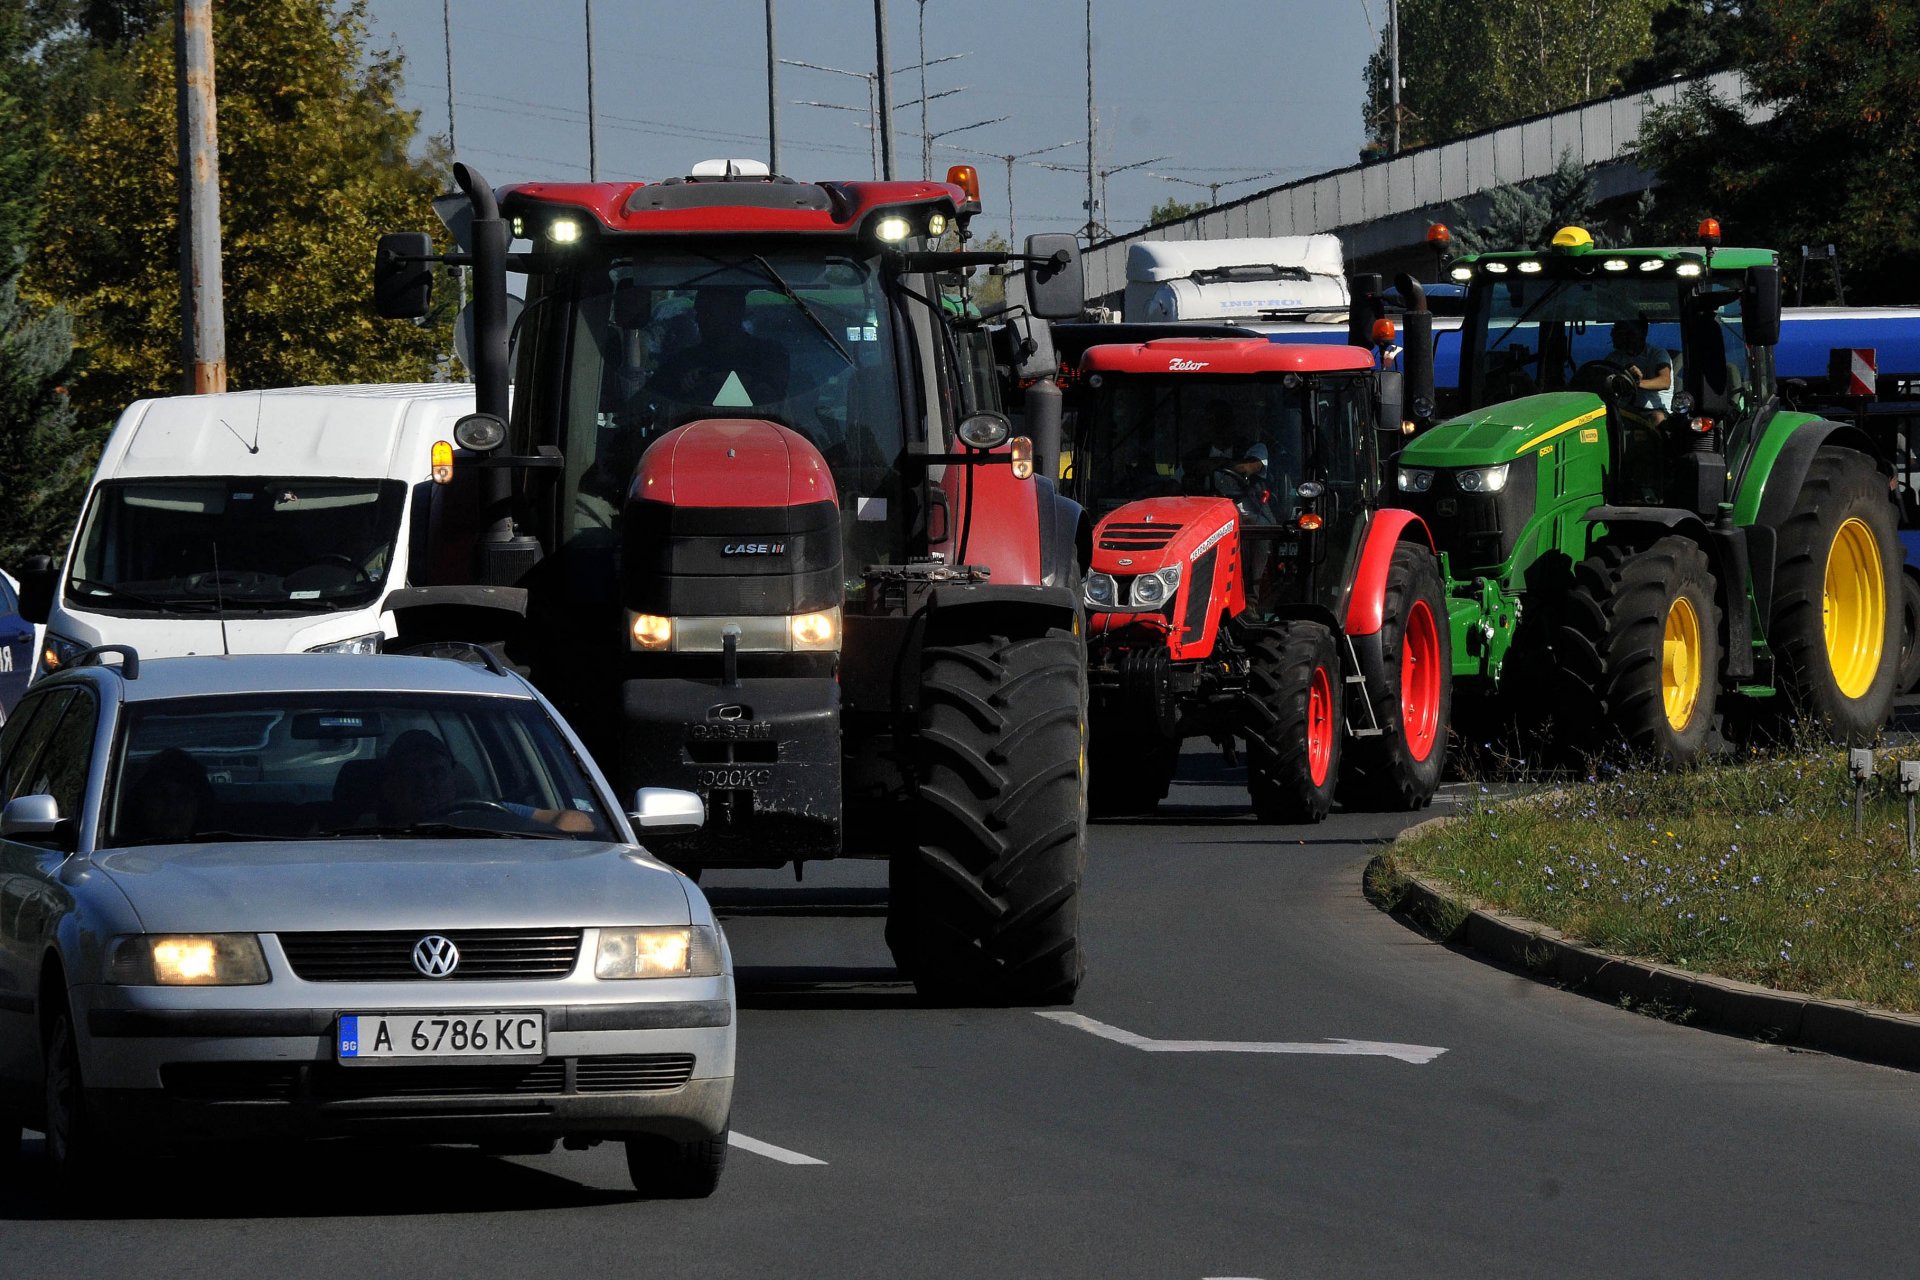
(1526, 214)
(1690, 38)
(1465, 67)
(314, 164)
(1838, 158)
(1172, 210)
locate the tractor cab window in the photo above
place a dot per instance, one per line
(1529, 334)
(1247, 439)
(799, 338)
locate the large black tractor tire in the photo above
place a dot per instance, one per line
(1909, 670)
(1129, 765)
(1400, 767)
(1639, 652)
(1295, 726)
(1835, 630)
(984, 906)
(663, 1169)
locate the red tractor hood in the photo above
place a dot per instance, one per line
(1155, 532)
(733, 462)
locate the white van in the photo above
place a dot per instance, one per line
(252, 522)
(1235, 280)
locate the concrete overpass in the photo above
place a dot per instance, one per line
(1381, 210)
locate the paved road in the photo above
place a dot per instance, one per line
(1554, 1134)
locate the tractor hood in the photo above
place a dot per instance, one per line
(1502, 432)
(1153, 533)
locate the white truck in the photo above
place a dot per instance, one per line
(254, 522)
(1236, 280)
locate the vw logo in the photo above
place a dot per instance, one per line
(436, 956)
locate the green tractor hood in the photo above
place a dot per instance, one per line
(1503, 432)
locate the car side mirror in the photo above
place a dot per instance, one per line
(665, 811)
(1055, 286)
(33, 818)
(403, 275)
(38, 579)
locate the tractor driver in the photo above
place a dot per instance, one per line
(1650, 368)
(1228, 465)
(726, 366)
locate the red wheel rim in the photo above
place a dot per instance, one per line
(1420, 681)
(1319, 726)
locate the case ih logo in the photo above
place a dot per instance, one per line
(1180, 365)
(754, 549)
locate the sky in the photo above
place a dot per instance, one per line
(1222, 89)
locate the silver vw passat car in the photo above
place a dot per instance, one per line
(322, 895)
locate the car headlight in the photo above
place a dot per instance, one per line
(188, 960)
(1482, 479)
(1415, 480)
(369, 643)
(1101, 590)
(1151, 590)
(56, 651)
(682, 951)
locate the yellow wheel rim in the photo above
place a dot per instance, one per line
(1680, 663)
(1855, 607)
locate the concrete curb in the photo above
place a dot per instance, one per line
(1841, 1027)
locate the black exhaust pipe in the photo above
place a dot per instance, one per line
(1416, 350)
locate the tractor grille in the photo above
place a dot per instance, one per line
(1137, 537)
(330, 1082)
(485, 954)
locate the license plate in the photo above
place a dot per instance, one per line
(386, 1037)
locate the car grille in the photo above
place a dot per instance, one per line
(485, 954)
(1137, 537)
(331, 1082)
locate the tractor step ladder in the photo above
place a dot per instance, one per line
(1372, 729)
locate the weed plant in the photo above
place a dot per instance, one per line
(1747, 868)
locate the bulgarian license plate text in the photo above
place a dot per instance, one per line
(368, 1037)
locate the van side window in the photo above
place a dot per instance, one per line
(61, 771)
(33, 722)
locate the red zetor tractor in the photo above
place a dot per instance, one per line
(758, 523)
(1246, 583)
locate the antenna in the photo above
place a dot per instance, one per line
(219, 602)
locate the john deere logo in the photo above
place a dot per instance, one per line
(754, 549)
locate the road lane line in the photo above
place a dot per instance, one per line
(767, 1149)
(1417, 1054)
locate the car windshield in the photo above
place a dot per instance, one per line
(1243, 438)
(242, 544)
(313, 766)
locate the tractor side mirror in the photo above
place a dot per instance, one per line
(38, 580)
(1760, 306)
(403, 275)
(1055, 286)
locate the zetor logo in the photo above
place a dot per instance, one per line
(1179, 365)
(754, 549)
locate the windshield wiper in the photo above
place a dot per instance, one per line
(805, 310)
(107, 589)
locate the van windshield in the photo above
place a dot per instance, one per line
(243, 544)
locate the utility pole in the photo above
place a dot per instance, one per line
(593, 122)
(453, 143)
(883, 88)
(202, 300)
(926, 141)
(1393, 69)
(773, 96)
(1092, 218)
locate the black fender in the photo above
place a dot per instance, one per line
(1066, 534)
(1783, 487)
(465, 611)
(986, 608)
(1729, 551)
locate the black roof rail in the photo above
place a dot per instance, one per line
(458, 650)
(129, 658)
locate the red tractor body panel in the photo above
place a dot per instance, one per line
(733, 462)
(1003, 531)
(1223, 355)
(1366, 601)
(1154, 535)
(623, 206)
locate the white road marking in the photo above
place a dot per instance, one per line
(1418, 1054)
(768, 1150)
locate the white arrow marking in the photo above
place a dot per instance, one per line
(1418, 1054)
(768, 1150)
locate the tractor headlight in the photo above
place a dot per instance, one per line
(815, 631)
(1101, 591)
(650, 631)
(1151, 590)
(1415, 480)
(893, 228)
(1482, 479)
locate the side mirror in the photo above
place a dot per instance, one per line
(1055, 287)
(1760, 306)
(479, 432)
(403, 275)
(33, 818)
(39, 578)
(665, 811)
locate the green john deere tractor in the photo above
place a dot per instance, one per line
(1642, 543)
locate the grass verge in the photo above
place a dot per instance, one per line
(1749, 869)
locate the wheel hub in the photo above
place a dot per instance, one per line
(1854, 607)
(1680, 663)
